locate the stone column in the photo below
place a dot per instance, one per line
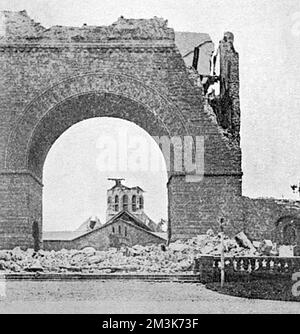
(20, 205)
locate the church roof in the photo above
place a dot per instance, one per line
(62, 235)
(163, 235)
(70, 235)
(123, 187)
(124, 216)
(91, 223)
(138, 188)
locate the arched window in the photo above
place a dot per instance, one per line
(134, 203)
(125, 231)
(141, 200)
(92, 224)
(125, 202)
(119, 229)
(116, 203)
(113, 230)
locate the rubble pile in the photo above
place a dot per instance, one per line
(178, 257)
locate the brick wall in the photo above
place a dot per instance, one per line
(51, 79)
(20, 205)
(47, 88)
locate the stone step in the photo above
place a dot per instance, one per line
(62, 277)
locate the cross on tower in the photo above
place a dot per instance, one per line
(117, 180)
(295, 188)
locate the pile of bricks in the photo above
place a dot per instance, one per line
(178, 257)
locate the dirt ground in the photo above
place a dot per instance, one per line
(95, 296)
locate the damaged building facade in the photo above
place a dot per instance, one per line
(168, 83)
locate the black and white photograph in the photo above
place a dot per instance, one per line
(149, 159)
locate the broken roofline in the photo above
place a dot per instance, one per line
(72, 235)
(110, 222)
(198, 46)
(19, 26)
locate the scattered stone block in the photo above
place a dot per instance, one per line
(266, 247)
(286, 251)
(88, 251)
(243, 241)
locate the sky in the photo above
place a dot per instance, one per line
(80, 162)
(267, 37)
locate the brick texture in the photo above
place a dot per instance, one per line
(51, 79)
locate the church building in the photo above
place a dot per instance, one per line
(127, 225)
(121, 197)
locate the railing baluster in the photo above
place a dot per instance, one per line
(209, 266)
(260, 264)
(252, 264)
(268, 265)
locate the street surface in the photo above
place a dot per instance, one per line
(111, 296)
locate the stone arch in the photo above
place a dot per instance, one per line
(288, 230)
(82, 97)
(51, 113)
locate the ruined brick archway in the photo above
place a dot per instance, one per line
(133, 69)
(82, 97)
(79, 98)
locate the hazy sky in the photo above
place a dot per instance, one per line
(81, 160)
(267, 37)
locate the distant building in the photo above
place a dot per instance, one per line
(126, 225)
(121, 197)
(124, 229)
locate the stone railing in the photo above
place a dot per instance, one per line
(236, 268)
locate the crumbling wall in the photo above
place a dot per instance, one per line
(262, 216)
(216, 75)
(196, 50)
(226, 105)
(138, 59)
(259, 218)
(55, 77)
(19, 26)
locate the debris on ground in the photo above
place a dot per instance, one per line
(286, 251)
(177, 257)
(244, 241)
(266, 247)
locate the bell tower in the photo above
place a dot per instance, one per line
(121, 197)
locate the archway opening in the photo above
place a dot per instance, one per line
(67, 103)
(79, 163)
